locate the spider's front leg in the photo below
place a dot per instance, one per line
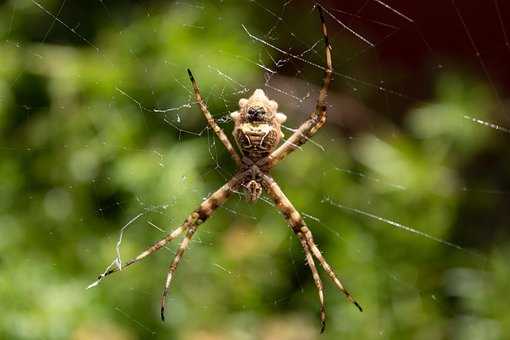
(304, 234)
(216, 128)
(317, 118)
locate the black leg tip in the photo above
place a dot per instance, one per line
(190, 75)
(323, 326)
(163, 314)
(359, 307)
(321, 14)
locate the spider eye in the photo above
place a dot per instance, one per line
(256, 111)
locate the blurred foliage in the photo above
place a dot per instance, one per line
(95, 123)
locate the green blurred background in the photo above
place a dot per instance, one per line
(98, 126)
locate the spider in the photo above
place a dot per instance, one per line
(257, 133)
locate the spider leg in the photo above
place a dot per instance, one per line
(173, 266)
(316, 252)
(155, 247)
(316, 278)
(204, 211)
(219, 132)
(299, 226)
(317, 118)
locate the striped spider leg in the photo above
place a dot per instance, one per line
(198, 217)
(316, 119)
(219, 132)
(305, 236)
(189, 226)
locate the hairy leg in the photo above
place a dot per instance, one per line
(317, 118)
(316, 278)
(219, 132)
(297, 224)
(173, 266)
(204, 211)
(327, 268)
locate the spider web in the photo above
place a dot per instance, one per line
(415, 107)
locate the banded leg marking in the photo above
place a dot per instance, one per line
(298, 225)
(173, 266)
(317, 118)
(205, 210)
(216, 128)
(316, 279)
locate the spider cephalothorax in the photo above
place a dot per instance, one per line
(258, 133)
(257, 129)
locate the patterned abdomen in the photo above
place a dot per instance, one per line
(257, 141)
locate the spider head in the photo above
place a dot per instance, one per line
(257, 128)
(255, 113)
(258, 109)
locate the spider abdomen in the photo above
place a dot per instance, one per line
(257, 140)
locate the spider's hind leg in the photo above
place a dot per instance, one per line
(204, 211)
(173, 267)
(299, 227)
(316, 278)
(113, 268)
(316, 252)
